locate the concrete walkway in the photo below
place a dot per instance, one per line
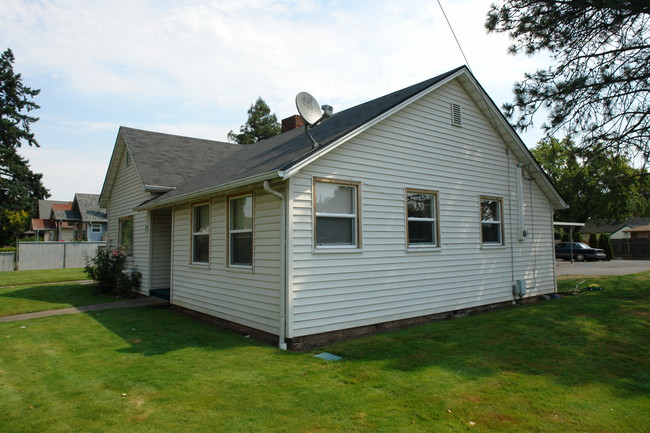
(139, 302)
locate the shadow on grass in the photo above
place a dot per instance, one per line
(160, 330)
(596, 337)
(44, 297)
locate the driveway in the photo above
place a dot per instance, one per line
(614, 267)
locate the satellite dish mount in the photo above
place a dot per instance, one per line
(311, 113)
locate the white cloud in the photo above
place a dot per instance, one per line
(194, 67)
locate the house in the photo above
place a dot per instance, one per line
(43, 224)
(417, 204)
(80, 219)
(639, 232)
(616, 229)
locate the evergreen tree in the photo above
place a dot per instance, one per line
(577, 237)
(593, 240)
(261, 124)
(20, 188)
(598, 184)
(599, 83)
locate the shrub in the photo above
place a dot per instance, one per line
(605, 244)
(577, 237)
(593, 240)
(108, 270)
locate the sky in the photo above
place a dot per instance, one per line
(194, 67)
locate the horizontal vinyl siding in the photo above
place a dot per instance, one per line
(127, 193)
(417, 148)
(248, 297)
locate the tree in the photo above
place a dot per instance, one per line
(599, 84)
(593, 240)
(598, 184)
(20, 188)
(261, 124)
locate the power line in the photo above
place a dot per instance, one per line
(454, 34)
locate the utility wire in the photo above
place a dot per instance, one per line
(454, 33)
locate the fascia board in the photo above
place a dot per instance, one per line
(300, 165)
(210, 191)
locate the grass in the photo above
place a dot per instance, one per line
(26, 291)
(580, 363)
(15, 278)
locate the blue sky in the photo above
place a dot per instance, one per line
(194, 67)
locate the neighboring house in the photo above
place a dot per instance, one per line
(639, 232)
(615, 230)
(80, 219)
(418, 203)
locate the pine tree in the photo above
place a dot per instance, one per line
(593, 240)
(20, 188)
(598, 85)
(261, 124)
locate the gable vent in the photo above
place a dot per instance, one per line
(456, 115)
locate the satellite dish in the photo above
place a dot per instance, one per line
(308, 108)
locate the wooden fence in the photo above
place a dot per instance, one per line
(54, 255)
(631, 249)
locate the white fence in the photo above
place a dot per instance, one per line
(6, 261)
(54, 255)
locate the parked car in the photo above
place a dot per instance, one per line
(581, 252)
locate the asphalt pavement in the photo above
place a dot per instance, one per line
(613, 267)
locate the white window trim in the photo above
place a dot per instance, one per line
(231, 231)
(203, 233)
(501, 242)
(435, 220)
(95, 225)
(331, 248)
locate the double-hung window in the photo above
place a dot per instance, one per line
(125, 235)
(201, 233)
(240, 230)
(491, 221)
(336, 214)
(95, 228)
(421, 214)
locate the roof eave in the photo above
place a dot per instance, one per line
(194, 195)
(295, 168)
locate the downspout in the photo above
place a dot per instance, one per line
(283, 268)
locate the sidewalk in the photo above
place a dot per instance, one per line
(128, 303)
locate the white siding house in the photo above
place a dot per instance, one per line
(418, 203)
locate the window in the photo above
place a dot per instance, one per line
(421, 214)
(491, 221)
(201, 233)
(125, 239)
(95, 228)
(336, 213)
(240, 228)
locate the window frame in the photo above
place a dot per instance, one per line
(435, 219)
(484, 199)
(231, 232)
(120, 235)
(357, 244)
(195, 234)
(98, 226)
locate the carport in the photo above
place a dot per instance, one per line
(571, 226)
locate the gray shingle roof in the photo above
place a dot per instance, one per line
(168, 160)
(89, 210)
(289, 148)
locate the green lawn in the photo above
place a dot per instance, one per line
(15, 278)
(26, 291)
(580, 363)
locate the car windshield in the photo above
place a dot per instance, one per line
(580, 245)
